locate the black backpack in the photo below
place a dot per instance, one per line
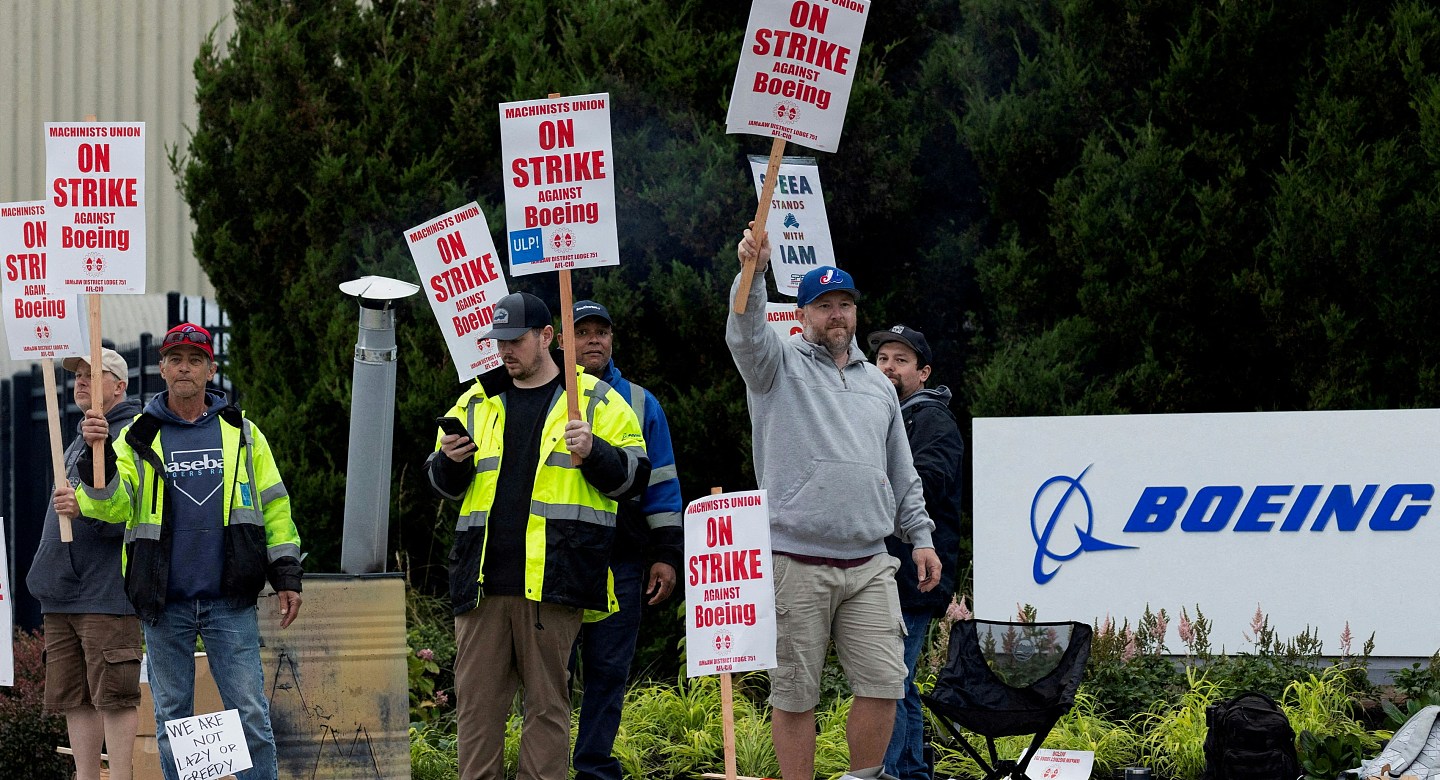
(1249, 739)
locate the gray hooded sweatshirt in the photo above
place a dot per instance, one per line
(83, 576)
(829, 444)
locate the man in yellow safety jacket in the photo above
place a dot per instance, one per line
(207, 522)
(532, 544)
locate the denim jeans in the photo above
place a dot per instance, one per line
(232, 643)
(606, 649)
(905, 757)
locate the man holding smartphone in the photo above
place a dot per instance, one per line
(533, 540)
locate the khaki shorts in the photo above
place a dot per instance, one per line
(91, 660)
(859, 607)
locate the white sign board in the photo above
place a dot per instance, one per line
(96, 206)
(797, 225)
(208, 746)
(1085, 517)
(7, 615)
(784, 318)
(38, 324)
(796, 67)
(559, 184)
(457, 262)
(1049, 764)
(729, 584)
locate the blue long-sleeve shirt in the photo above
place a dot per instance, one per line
(649, 528)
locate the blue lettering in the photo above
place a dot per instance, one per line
(1347, 510)
(1260, 504)
(1295, 518)
(1385, 519)
(1156, 509)
(1224, 497)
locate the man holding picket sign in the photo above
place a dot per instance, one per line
(830, 445)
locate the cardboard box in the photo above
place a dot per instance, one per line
(147, 752)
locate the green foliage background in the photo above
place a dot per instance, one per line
(1089, 206)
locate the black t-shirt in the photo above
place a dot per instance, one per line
(525, 412)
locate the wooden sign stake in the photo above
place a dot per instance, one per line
(567, 333)
(727, 699)
(57, 458)
(97, 399)
(762, 213)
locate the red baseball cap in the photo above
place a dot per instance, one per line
(188, 333)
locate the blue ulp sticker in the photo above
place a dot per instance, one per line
(526, 246)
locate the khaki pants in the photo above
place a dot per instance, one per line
(502, 644)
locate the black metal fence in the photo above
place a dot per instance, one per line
(25, 481)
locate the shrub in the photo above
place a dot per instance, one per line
(27, 737)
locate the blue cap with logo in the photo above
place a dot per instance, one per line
(826, 278)
(589, 308)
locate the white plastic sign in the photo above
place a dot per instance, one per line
(38, 323)
(95, 206)
(729, 584)
(797, 225)
(461, 275)
(559, 184)
(1050, 764)
(796, 68)
(1284, 512)
(784, 318)
(208, 746)
(7, 617)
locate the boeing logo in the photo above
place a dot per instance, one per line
(1210, 509)
(1044, 534)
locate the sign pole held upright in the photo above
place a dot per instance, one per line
(727, 692)
(762, 212)
(567, 333)
(97, 400)
(57, 457)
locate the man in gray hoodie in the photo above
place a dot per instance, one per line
(830, 448)
(92, 637)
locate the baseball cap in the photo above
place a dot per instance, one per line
(908, 336)
(515, 314)
(110, 360)
(585, 309)
(824, 279)
(188, 333)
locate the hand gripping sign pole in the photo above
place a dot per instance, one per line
(793, 83)
(567, 332)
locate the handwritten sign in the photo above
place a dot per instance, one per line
(559, 184)
(729, 584)
(95, 206)
(457, 262)
(796, 69)
(798, 226)
(38, 323)
(7, 628)
(208, 746)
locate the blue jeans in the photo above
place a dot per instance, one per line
(905, 757)
(606, 649)
(232, 643)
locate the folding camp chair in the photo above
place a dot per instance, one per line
(1006, 680)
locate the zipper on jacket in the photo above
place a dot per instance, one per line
(154, 492)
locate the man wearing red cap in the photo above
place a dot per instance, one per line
(207, 522)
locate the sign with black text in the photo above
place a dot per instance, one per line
(208, 746)
(797, 224)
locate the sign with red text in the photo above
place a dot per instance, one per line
(796, 68)
(729, 584)
(7, 617)
(95, 206)
(208, 746)
(784, 318)
(798, 228)
(460, 273)
(38, 323)
(559, 184)
(1049, 764)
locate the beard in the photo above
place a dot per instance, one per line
(836, 341)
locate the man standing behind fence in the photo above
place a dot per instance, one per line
(207, 522)
(92, 637)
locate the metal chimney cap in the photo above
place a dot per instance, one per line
(378, 288)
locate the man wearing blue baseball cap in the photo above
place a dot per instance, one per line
(830, 447)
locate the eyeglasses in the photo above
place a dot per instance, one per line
(188, 336)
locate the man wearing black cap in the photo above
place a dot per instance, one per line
(649, 532)
(533, 539)
(904, 356)
(829, 446)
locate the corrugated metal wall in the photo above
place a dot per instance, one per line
(123, 61)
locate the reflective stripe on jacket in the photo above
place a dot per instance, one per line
(261, 539)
